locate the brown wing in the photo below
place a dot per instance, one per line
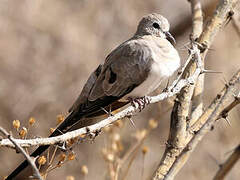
(124, 69)
(82, 98)
(127, 66)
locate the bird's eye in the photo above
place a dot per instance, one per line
(156, 25)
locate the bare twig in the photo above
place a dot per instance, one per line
(197, 18)
(183, 24)
(228, 164)
(211, 114)
(197, 21)
(178, 133)
(235, 102)
(208, 111)
(179, 138)
(236, 25)
(181, 109)
(131, 151)
(18, 147)
(236, 20)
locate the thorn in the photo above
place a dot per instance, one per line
(104, 110)
(236, 96)
(229, 17)
(131, 121)
(210, 71)
(212, 128)
(228, 152)
(87, 130)
(188, 148)
(226, 119)
(166, 88)
(214, 159)
(211, 49)
(62, 147)
(94, 134)
(224, 80)
(97, 132)
(110, 110)
(185, 46)
(108, 113)
(59, 131)
(202, 47)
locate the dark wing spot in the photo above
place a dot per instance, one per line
(98, 70)
(113, 77)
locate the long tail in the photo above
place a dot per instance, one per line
(69, 121)
(89, 109)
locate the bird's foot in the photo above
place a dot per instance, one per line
(140, 102)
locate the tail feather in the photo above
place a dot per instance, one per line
(88, 109)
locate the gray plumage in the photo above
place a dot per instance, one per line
(133, 69)
(147, 55)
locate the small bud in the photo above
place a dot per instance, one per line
(52, 130)
(31, 121)
(23, 132)
(62, 157)
(70, 142)
(152, 123)
(114, 147)
(82, 136)
(59, 164)
(70, 178)
(107, 129)
(42, 160)
(140, 134)
(110, 157)
(144, 150)
(71, 156)
(16, 124)
(116, 137)
(84, 170)
(119, 123)
(120, 146)
(60, 118)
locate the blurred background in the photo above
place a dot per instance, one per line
(49, 48)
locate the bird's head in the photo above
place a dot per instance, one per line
(156, 25)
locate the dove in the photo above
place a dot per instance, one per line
(129, 73)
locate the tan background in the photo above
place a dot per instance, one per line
(49, 48)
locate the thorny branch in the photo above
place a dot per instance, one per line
(228, 164)
(175, 88)
(197, 27)
(215, 109)
(182, 140)
(131, 151)
(236, 21)
(19, 148)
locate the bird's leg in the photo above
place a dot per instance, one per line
(140, 102)
(147, 100)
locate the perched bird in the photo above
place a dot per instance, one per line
(131, 71)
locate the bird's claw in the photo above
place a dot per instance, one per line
(140, 103)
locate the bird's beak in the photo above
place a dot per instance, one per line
(170, 38)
